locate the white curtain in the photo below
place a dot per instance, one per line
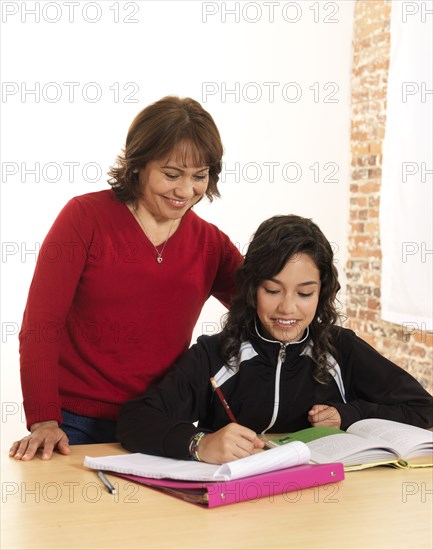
(406, 196)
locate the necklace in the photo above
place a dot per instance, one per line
(159, 257)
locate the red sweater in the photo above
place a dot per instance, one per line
(103, 319)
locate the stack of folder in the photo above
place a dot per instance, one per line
(265, 474)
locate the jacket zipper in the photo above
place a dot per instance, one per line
(283, 352)
(281, 359)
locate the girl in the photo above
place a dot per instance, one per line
(281, 361)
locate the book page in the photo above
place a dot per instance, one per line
(157, 467)
(349, 449)
(406, 439)
(267, 461)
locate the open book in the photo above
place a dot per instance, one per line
(366, 443)
(157, 467)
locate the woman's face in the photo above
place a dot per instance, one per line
(170, 187)
(287, 303)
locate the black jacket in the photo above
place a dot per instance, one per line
(268, 394)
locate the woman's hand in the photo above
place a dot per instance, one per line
(324, 415)
(45, 435)
(229, 443)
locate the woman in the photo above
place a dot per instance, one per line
(281, 362)
(121, 279)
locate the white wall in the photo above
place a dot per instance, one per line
(288, 65)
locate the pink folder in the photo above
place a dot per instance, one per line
(217, 493)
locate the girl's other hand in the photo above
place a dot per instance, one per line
(324, 415)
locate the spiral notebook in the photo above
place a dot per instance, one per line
(159, 467)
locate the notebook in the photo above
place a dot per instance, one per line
(158, 467)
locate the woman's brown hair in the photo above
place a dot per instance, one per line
(158, 130)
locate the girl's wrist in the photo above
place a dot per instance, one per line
(194, 445)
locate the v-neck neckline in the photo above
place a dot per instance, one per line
(138, 226)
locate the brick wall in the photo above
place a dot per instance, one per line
(412, 350)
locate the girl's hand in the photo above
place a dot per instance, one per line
(229, 443)
(324, 415)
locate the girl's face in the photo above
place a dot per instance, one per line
(287, 303)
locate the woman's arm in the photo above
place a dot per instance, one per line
(224, 285)
(60, 264)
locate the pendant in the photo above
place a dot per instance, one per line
(159, 259)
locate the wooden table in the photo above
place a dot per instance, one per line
(61, 504)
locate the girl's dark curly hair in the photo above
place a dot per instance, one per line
(276, 241)
(156, 132)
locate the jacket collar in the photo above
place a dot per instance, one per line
(285, 344)
(270, 349)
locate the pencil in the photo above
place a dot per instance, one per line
(106, 483)
(223, 400)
